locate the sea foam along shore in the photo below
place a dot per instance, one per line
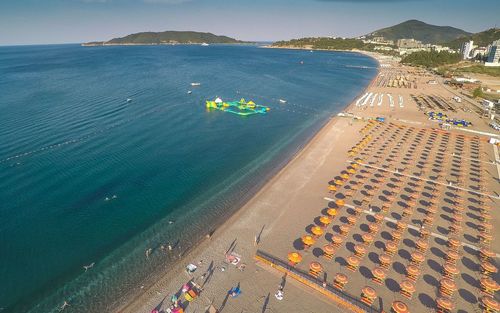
(145, 299)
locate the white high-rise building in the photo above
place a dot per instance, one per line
(466, 49)
(494, 55)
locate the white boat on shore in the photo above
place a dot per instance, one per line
(205, 44)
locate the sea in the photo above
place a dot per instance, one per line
(104, 154)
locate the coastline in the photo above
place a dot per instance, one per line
(371, 54)
(140, 297)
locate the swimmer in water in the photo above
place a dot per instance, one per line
(91, 265)
(65, 304)
(148, 252)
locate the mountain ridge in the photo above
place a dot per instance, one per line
(421, 31)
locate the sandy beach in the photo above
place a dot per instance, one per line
(289, 206)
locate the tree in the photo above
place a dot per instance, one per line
(478, 92)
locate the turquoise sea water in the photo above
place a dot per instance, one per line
(69, 140)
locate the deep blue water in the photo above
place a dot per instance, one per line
(69, 139)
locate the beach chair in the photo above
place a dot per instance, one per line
(313, 273)
(190, 295)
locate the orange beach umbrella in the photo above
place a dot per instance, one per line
(448, 284)
(353, 260)
(340, 202)
(316, 267)
(337, 239)
(325, 220)
(451, 269)
(341, 278)
(316, 230)
(367, 237)
(294, 257)
(384, 259)
(328, 249)
(308, 240)
(444, 303)
(407, 285)
(391, 246)
(490, 303)
(400, 307)
(378, 272)
(488, 267)
(369, 292)
(417, 257)
(489, 284)
(412, 270)
(360, 249)
(331, 212)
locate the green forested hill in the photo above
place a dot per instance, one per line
(168, 37)
(481, 39)
(420, 31)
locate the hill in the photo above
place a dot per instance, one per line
(481, 39)
(167, 37)
(420, 31)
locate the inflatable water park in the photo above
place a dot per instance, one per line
(241, 107)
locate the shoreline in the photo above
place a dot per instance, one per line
(371, 54)
(243, 209)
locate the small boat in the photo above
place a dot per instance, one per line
(129, 100)
(195, 84)
(189, 92)
(282, 101)
(205, 44)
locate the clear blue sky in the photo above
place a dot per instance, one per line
(71, 21)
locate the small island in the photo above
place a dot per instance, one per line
(165, 38)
